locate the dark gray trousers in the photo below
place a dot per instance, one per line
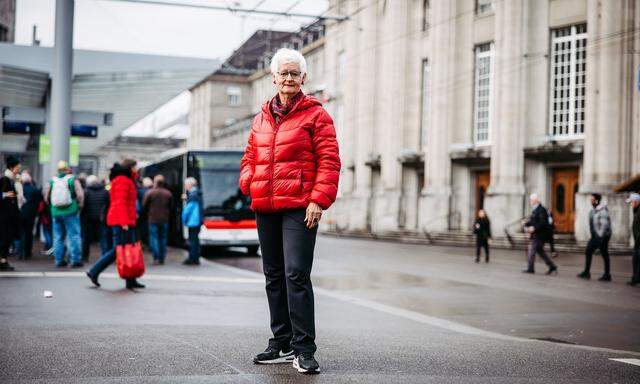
(287, 256)
(636, 264)
(537, 246)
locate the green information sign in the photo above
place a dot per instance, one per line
(74, 151)
(44, 150)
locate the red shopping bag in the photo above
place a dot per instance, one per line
(130, 260)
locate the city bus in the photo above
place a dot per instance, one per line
(228, 221)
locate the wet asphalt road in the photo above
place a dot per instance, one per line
(385, 313)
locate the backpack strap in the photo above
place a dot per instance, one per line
(72, 188)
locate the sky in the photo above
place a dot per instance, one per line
(155, 29)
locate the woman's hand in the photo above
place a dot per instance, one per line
(125, 227)
(314, 213)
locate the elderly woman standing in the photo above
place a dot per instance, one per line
(290, 169)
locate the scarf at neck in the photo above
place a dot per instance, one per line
(279, 110)
(10, 175)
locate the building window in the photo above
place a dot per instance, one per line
(482, 92)
(424, 110)
(483, 6)
(234, 96)
(568, 81)
(425, 15)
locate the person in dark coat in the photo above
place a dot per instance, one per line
(482, 230)
(28, 213)
(9, 211)
(142, 226)
(156, 206)
(540, 231)
(94, 226)
(634, 200)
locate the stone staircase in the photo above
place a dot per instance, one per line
(563, 242)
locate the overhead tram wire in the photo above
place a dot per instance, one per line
(235, 9)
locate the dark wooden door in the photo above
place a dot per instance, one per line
(564, 187)
(482, 185)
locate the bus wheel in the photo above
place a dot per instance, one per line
(252, 249)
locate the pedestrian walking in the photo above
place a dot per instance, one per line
(28, 213)
(482, 230)
(121, 217)
(156, 206)
(94, 220)
(600, 230)
(192, 219)
(540, 231)
(9, 211)
(634, 200)
(66, 197)
(290, 168)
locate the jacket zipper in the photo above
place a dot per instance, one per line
(276, 127)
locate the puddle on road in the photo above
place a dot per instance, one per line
(354, 280)
(383, 279)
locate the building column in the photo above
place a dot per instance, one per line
(609, 125)
(62, 77)
(505, 198)
(390, 101)
(437, 192)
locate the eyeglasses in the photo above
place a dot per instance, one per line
(294, 75)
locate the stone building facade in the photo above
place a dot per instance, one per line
(446, 106)
(7, 21)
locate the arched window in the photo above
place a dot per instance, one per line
(560, 198)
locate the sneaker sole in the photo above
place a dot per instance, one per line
(304, 371)
(279, 360)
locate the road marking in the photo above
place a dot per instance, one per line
(628, 361)
(157, 277)
(426, 319)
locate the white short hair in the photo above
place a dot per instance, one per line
(534, 196)
(92, 180)
(191, 181)
(286, 55)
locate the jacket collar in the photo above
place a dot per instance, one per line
(10, 175)
(305, 102)
(600, 206)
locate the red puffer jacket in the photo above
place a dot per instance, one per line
(294, 163)
(122, 202)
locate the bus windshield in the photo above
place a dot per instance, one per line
(217, 174)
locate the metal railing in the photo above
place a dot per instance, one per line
(508, 234)
(448, 216)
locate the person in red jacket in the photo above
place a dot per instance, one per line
(290, 169)
(121, 216)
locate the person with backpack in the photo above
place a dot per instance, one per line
(9, 211)
(552, 240)
(65, 195)
(600, 229)
(121, 217)
(540, 231)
